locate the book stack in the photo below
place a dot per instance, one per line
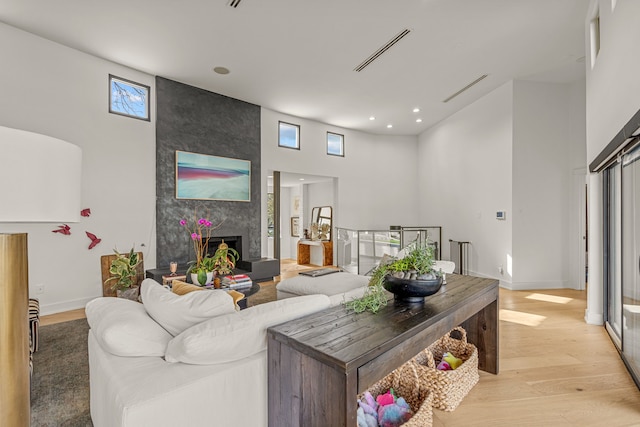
(237, 281)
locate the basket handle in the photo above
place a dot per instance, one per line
(397, 373)
(463, 335)
(431, 362)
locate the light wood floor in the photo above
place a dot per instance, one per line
(555, 370)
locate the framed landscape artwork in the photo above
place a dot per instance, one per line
(204, 177)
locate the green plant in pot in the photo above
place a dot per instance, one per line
(225, 259)
(410, 277)
(124, 271)
(201, 272)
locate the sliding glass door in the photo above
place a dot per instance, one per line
(613, 240)
(631, 260)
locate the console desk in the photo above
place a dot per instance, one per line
(317, 365)
(316, 252)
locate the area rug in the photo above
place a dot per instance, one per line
(60, 382)
(266, 293)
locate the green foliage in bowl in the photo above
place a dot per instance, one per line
(417, 263)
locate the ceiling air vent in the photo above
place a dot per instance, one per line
(382, 50)
(476, 81)
(234, 3)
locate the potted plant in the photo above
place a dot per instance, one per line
(201, 269)
(124, 271)
(410, 277)
(224, 260)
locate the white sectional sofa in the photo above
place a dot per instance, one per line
(185, 361)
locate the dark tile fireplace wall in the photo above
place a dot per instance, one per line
(203, 122)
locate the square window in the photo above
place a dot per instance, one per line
(128, 98)
(335, 144)
(288, 135)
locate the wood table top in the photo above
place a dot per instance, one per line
(346, 340)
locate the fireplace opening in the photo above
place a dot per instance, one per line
(234, 242)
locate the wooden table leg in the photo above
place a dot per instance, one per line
(482, 333)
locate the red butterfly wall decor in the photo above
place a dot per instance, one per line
(85, 212)
(62, 229)
(94, 240)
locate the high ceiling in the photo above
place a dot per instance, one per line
(298, 56)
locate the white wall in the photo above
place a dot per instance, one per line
(318, 194)
(543, 163)
(61, 92)
(514, 150)
(377, 178)
(465, 177)
(578, 196)
(612, 84)
(287, 243)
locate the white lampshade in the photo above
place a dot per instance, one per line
(40, 176)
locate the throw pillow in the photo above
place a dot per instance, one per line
(123, 327)
(176, 313)
(234, 337)
(181, 288)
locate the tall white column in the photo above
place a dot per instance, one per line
(594, 314)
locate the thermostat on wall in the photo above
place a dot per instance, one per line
(501, 215)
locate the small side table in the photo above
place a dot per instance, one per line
(157, 273)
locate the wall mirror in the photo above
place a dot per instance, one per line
(322, 216)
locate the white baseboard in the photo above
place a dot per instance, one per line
(526, 286)
(64, 306)
(503, 283)
(529, 286)
(593, 318)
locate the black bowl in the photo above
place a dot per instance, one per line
(407, 290)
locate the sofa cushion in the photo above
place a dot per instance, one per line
(233, 337)
(331, 284)
(176, 313)
(122, 327)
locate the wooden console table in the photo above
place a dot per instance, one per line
(319, 364)
(324, 252)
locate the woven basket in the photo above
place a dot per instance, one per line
(404, 382)
(448, 387)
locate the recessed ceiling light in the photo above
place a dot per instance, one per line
(389, 126)
(416, 110)
(221, 70)
(372, 118)
(301, 179)
(418, 120)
